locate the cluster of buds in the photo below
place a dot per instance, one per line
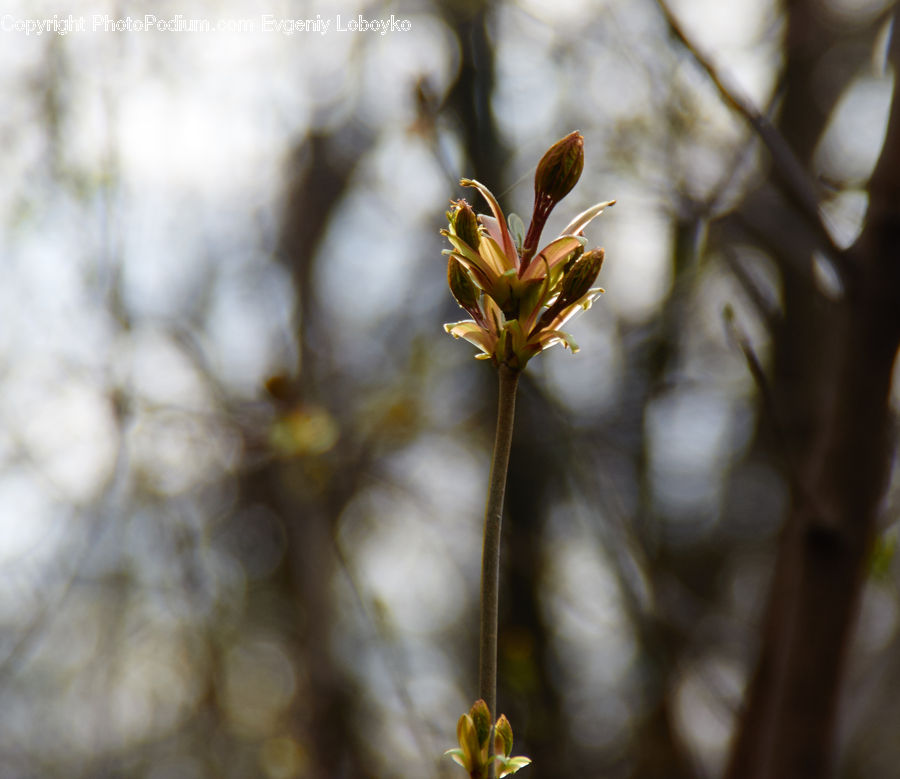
(473, 732)
(519, 297)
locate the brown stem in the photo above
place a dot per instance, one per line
(543, 205)
(490, 560)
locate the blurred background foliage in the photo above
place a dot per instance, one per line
(242, 469)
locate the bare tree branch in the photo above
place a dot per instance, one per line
(789, 172)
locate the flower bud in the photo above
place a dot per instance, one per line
(573, 258)
(503, 737)
(481, 717)
(580, 277)
(557, 172)
(461, 285)
(560, 168)
(465, 223)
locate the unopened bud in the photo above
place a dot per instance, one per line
(557, 172)
(573, 258)
(465, 223)
(560, 168)
(503, 737)
(461, 285)
(481, 717)
(581, 276)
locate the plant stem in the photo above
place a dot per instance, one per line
(490, 561)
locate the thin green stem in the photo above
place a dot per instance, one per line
(490, 561)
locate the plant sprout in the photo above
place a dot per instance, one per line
(518, 298)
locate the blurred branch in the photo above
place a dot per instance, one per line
(783, 443)
(384, 641)
(876, 249)
(790, 711)
(469, 96)
(766, 309)
(321, 168)
(427, 127)
(789, 171)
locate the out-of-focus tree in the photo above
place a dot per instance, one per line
(241, 466)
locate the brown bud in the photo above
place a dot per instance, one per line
(580, 277)
(557, 172)
(560, 168)
(465, 223)
(281, 388)
(461, 285)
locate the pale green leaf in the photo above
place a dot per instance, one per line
(517, 230)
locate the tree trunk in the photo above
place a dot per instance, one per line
(842, 460)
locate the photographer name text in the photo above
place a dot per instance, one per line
(266, 23)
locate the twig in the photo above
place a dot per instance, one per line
(798, 484)
(788, 169)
